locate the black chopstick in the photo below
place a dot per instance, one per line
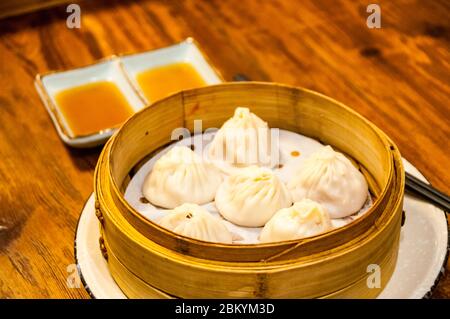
(417, 181)
(432, 195)
(239, 77)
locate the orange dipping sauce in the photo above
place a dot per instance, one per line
(93, 107)
(159, 82)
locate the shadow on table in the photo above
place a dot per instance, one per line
(84, 159)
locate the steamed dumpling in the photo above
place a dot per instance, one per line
(251, 197)
(242, 141)
(180, 176)
(304, 219)
(193, 221)
(328, 177)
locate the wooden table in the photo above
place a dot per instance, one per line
(397, 76)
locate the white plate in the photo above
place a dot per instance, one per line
(186, 51)
(422, 252)
(48, 86)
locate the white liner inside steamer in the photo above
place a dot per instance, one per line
(288, 142)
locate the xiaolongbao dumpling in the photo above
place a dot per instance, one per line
(193, 221)
(304, 219)
(251, 197)
(242, 141)
(329, 178)
(180, 176)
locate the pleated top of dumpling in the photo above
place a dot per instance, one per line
(329, 178)
(243, 140)
(181, 176)
(251, 197)
(193, 221)
(304, 219)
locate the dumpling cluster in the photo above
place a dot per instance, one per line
(251, 197)
(193, 221)
(181, 176)
(304, 219)
(326, 185)
(243, 140)
(328, 177)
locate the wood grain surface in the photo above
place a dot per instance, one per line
(397, 76)
(15, 7)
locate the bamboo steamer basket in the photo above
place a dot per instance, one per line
(148, 261)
